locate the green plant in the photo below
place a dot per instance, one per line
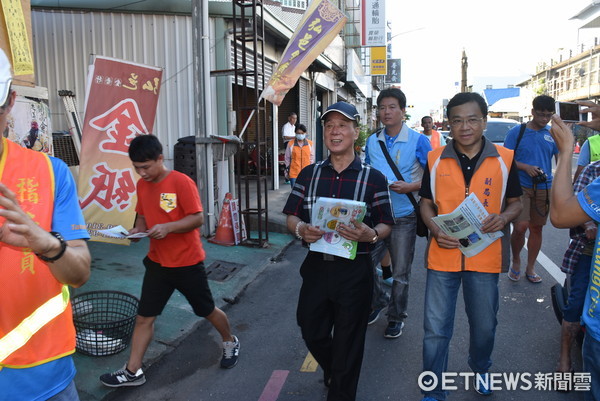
(362, 137)
(541, 89)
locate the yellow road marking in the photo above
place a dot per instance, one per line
(310, 364)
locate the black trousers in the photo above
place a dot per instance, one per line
(333, 310)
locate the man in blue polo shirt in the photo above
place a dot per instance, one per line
(408, 150)
(534, 148)
(569, 210)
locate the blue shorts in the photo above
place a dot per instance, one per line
(579, 284)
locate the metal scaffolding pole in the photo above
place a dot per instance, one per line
(253, 163)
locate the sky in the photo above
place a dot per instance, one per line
(504, 41)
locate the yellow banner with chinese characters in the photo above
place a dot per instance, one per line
(121, 104)
(379, 60)
(17, 28)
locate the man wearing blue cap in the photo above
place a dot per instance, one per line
(407, 149)
(335, 297)
(42, 252)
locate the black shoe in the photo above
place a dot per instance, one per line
(327, 379)
(386, 272)
(374, 315)
(393, 330)
(123, 377)
(231, 351)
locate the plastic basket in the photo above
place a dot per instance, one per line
(104, 321)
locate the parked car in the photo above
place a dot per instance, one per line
(497, 128)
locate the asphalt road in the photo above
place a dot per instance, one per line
(273, 359)
(275, 365)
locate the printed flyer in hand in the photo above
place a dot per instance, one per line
(328, 214)
(465, 223)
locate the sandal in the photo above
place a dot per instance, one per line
(513, 275)
(533, 278)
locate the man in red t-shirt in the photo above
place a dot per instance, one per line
(170, 211)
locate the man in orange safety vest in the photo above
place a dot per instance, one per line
(43, 251)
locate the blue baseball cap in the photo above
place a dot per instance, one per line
(346, 109)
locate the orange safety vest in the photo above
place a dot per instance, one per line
(300, 157)
(36, 322)
(489, 183)
(435, 139)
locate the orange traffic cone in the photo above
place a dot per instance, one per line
(577, 150)
(224, 234)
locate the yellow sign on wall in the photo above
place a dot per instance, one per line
(18, 37)
(379, 60)
(15, 39)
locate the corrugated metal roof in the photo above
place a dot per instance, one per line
(170, 6)
(64, 41)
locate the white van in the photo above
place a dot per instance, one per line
(497, 128)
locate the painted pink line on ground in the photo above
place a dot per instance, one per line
(274, 385)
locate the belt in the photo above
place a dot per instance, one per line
(330, 258)
(327, 257)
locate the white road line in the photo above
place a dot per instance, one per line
(550, 266)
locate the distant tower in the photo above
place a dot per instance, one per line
(463, 70)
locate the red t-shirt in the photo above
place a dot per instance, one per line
(172, 199)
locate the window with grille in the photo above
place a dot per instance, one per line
(299, 4)
(64, 149)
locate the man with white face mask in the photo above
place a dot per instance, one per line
(298, 154)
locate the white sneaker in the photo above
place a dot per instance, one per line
(231, 350)
(122, 378)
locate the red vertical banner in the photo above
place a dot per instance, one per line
(121, 103)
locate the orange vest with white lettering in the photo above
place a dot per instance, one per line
(36, 322)
(448, 188)
(300, 157)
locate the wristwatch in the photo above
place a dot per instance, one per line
(375, 238)
(63, 248)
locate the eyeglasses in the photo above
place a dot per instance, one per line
(6, 102)
(471, 122)
(543, 115)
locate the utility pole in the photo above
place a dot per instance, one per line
(203, 112)
(463, 70)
